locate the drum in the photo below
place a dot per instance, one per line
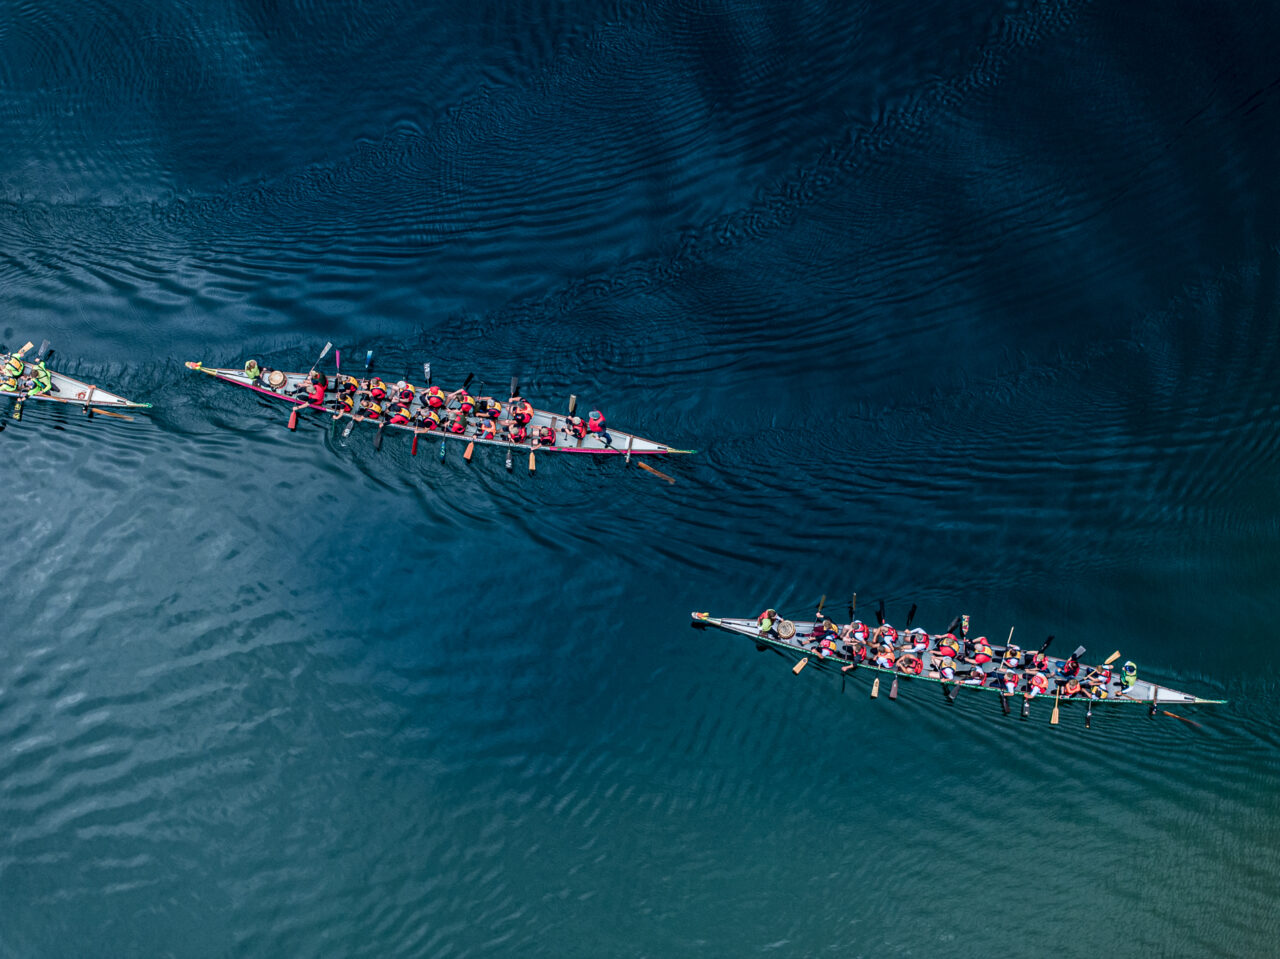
(276, 379)
(786, 629)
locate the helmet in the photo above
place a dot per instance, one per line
(948, 662)
(1130, 667)
(597, 415)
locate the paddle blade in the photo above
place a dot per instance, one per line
(471, 448)
(822, 602)
(1053, 717)
(1004, 705)
(880, 613)
(324, 352)
(377, 437)
(368, 360)
(515, 381)
(337, 360)
(426, 372)
(293, 419)
(508, 460)
(413, 447)
(893, 689)
(467, 381)
(573, 403)
(795, 670)
(658, 473)
(1112, 658)
(533, 464)
(911, 615)
(875, 688)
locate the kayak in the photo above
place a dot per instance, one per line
(800, 645)
(282, 385)
(68, 389)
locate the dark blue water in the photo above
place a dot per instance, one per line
(971, 306)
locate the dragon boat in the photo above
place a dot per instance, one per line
(67, 390)
(280, 385)
(796, 641)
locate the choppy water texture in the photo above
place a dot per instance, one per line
(968, 306)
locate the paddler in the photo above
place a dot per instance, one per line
(595, 424)
(488, 431)
(377, 389)
(1070, 668)
(371, 409)
(459, 424)
(916, 640)
(433, 397)
(948, 645)
(466, 402)
(546, 437)
(576, 428)
(947, 668)
(1072, 688)
(315, 387)
(13, 370)
(405, 393)
(488, 407)
(400, 413)
(429, 419)
(517, 432)
(982, 653)
(1038, 684)
(885, 634)
(343, 403)
(977, 677)
(253, 371)
(1012, 656)
(521, 410)
(41, 379)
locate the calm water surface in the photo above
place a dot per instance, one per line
(974, 307)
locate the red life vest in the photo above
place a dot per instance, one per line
(522, 414)
(578, 429)
(459, 425)
(434, 397)
(377, 389)
(596, 423)
(518, 433)
(316, 394)
(406, 395)
(399, 414)
(429, 419)
(889, 633)
(465, 402)
(547, 436)
(1040, 683)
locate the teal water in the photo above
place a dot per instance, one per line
(968, 307)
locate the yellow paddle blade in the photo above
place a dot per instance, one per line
(1112, 658)
(799, 666)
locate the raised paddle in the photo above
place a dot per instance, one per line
(1053, 717)
(853, 604)
(426, 372)
(323, 354)
(1112, 658)
(822, 602)
(573, 403)
(413, 447)
(795, 670)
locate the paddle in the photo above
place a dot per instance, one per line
(323, 354)
(88, 402)
(377, 437)
(853, 604)
(1053, 717)
(1088, 714)
(1191, 722)
(471, 448)
(1004, 703)
(893, 689)
(532, 463)
(573, 403)
(426, 372)
(1112, 658)
(658, 473)
(911, 615)
(355, 400)
(880, 614)
(795, 670)
(875, 688)
(822, 602)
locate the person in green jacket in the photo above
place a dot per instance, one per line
(41, 379)
(1128, 676)
(12, 371)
